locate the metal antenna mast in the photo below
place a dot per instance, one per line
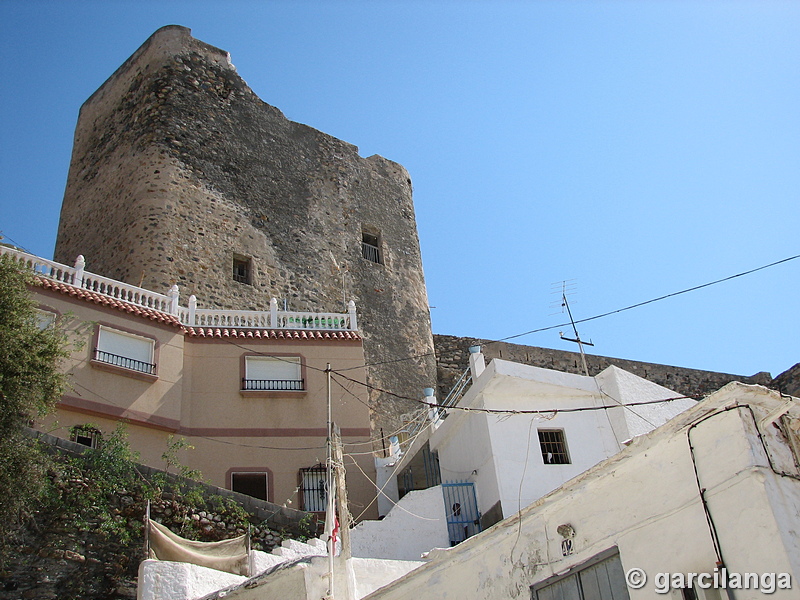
(577, 340)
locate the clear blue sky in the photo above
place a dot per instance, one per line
(638, 148)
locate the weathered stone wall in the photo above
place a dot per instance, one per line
(453, 359)
(788, 382)
(177, 166)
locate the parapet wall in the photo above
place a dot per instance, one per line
(452, 354)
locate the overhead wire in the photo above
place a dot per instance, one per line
(504, 411)
(651, 301)
(381, 492)
(339, 372)
(595, 317)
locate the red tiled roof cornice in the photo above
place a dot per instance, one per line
(195, 332)
(271, 334)
(103, 300)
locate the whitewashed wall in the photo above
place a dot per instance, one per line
(645, 502)
(414, 526)
(501, 453)
(166, 580)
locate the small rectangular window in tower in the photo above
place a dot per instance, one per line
(242, 269)
(371, 248)
(554, 447)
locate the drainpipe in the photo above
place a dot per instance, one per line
(477, 363)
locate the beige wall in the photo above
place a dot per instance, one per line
(196, 394)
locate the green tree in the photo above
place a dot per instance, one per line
(31, 382)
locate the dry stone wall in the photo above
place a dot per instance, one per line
(178, 168)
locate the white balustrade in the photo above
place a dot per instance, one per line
(128, 293)
(253, 319)
(190, 316)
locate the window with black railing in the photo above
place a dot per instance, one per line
(125, 350)
(273, 385)
(124, 362)
(273, 374)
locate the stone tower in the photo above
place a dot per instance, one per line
(181, 174)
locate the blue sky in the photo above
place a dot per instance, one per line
(635, 148)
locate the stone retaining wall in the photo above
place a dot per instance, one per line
(278, 517)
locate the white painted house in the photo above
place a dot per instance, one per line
(710, 500)
(564, 424)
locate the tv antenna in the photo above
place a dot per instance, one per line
(567, 289)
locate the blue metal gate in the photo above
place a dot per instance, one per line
(461, 505)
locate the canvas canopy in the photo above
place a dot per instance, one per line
(230, 556)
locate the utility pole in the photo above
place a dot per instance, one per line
(341, 496)
(330, 509)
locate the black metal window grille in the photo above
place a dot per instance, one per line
(313, 489)
(124, 362)
(274, 385)
(370, 248)
(553, 446)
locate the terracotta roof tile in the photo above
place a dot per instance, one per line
(280, 334)
(196, 332)
(103, 300)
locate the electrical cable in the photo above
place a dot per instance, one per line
(521, 411)
(599, 316)
(638, 304)
(381, 492)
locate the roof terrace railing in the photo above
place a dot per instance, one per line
(190, 316)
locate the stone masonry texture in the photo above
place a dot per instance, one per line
(178, 168)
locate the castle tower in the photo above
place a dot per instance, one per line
(181, 174)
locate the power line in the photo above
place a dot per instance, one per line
(501, 411)
(638, 304)
(595, 317)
